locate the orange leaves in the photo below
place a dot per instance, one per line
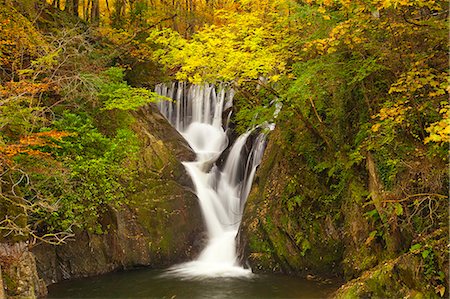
(23, 88)
(26, 144)
(9, 151)
(43, 138)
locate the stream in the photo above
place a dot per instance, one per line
(155, 284)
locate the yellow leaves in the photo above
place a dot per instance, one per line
(321, 10)
(322, 3)
(331, 50)
(246, 48)
(440, 290)
(46, 61)
(420, 81)
(397, 4)
(437, 93)
(417, 84)
(275, 78)
(196, 79)
(376, 127)
(440, 131)
(394, 115)
(385, 4)
(417, 90)
(347, 35)
(319, 46)
(19, 38)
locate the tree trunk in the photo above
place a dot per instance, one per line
(76, 4)
(56, 3)
(2, 287)
(72, 7)
(68, 7)
(95, 12)
(107, 8)
(86, 10)
(118, 14)
(391, 231)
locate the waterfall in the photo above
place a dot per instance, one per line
(197, 113)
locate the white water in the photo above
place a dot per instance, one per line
(197, 114)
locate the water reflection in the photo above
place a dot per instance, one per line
(154, 284)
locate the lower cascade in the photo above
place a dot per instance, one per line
(197, 112)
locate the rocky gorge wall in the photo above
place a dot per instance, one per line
(293, 225)
(275, 237)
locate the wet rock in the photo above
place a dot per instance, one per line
(19, 276)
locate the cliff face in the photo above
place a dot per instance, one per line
(292, 224)
(161, 225)
(276, 236)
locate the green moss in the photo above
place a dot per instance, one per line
(398, 278)
(292, 214)
(259, 245)
(357, 191)
(10, 284)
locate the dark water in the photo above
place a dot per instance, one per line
(151, 284)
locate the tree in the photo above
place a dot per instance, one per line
(95, 12)
(72, 7)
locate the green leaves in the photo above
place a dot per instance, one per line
(372, 214)
(398, 209)
(123, 97)
(94, 176)
(304, 244)
(117, 94)
(415, 248)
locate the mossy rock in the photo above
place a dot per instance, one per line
(411, 275)
(19, 276)
(396, 278)
(278, 237)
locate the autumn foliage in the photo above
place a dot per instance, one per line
(362, 86)
(30, 145)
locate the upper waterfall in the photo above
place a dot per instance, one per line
(197, 113)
